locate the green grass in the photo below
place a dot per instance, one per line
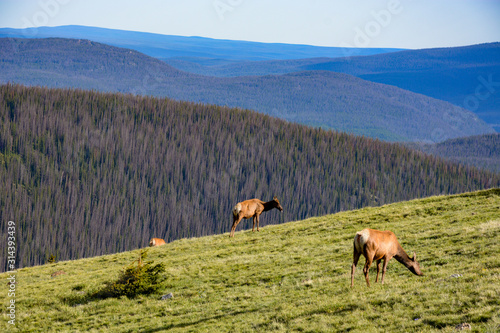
(290, 277)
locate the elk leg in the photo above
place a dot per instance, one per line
(384, 268)
(257, 216)
(378, 269)
(236, 220)
(355, 259)
(253, 226)
(366, 269)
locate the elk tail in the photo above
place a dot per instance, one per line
(236, 210)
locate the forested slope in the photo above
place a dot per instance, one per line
(482, 151)
(85, 173)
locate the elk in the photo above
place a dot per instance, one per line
(377, 245)
(156, 242)
(252, 208)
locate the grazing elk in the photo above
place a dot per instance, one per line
(377, 245)
(156, 242)
(252, 208)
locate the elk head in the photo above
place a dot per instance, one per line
(277, 204)
(414, 266)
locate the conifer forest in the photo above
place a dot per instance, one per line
(85, 173)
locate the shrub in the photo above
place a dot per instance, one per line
(143, 278)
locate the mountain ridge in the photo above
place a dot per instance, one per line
(316, 98)
(206, 50)
(445, 78)
(466, 76)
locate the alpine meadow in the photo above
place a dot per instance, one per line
(86, 173)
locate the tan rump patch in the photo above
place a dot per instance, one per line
(360, 239)
(237, 209)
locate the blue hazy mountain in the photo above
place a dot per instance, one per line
(200, 50)
(316, 98)
(468, 76)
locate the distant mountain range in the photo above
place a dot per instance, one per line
(468, 77)
(317, 98)
(201, 50)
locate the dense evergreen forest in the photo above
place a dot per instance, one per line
(86, 173)
(481, 151)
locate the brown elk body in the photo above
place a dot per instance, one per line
(156, 242)
(376, 245)
(252, 208)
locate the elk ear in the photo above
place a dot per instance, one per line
(414, 257)
(275, 198)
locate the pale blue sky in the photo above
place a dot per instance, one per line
(358, 23)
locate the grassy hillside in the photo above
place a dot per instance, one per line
(290, 277)
(315, 98)
(87, 173)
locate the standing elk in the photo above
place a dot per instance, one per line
(377, 245)
(252, 208)
(156, 242)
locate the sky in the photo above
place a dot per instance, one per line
(408, 24)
